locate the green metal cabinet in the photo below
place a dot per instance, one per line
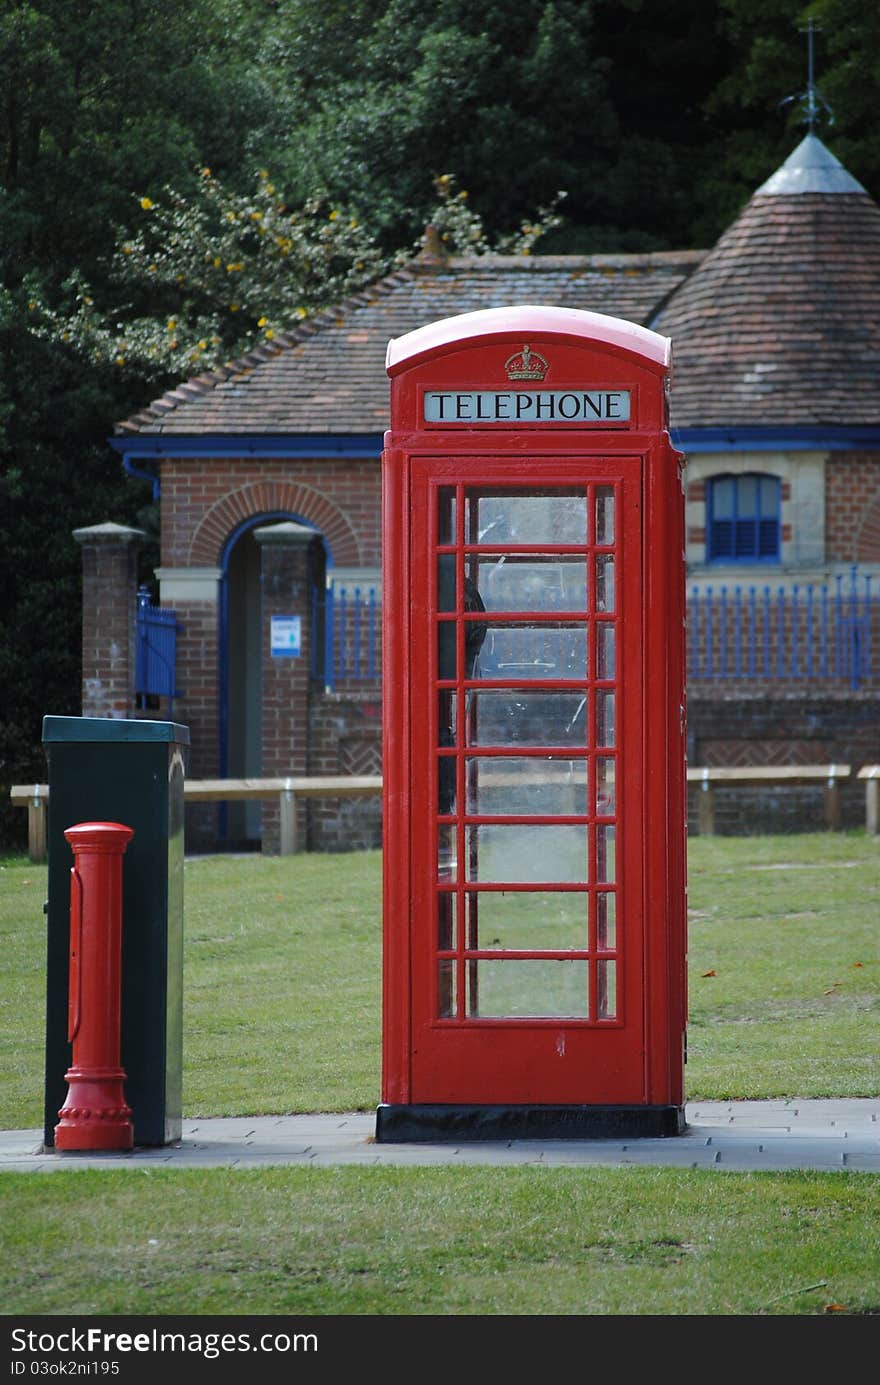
(128, 771)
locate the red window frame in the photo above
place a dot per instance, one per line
(461, 1042)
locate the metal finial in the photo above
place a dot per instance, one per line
(812, 98)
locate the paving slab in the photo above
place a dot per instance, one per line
(842, 1135)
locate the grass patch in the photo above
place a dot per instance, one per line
(438, 1241)
(282, 983)
(281, 1013)
(282, 977)
(784, 966)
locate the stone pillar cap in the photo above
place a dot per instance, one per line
(109, 532)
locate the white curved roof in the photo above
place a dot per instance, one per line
(530, 320)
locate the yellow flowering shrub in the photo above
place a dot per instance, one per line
(286, 262)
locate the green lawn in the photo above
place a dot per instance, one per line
(791, 928)
(438, 1241)
(282, 977)
(281, 1013)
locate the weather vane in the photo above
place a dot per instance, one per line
(812, 98)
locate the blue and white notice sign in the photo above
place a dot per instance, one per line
(286, 637)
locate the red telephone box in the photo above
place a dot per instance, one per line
(534, 752)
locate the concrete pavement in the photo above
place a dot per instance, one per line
(737, 1135)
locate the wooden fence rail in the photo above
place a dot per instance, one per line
(781, 776)
(287, 791)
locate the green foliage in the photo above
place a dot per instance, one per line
(104, 96)
(462, 231)
(56, 474)
(100, 98)
(657, 117)
(848, 75)
(212, 275)
(510, 99)
(760, 102)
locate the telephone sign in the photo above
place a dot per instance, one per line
(526, 406)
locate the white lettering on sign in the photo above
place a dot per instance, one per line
(527, 406)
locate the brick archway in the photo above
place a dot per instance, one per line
(273, 497)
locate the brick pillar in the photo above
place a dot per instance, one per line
(109, 603)
(289, 558)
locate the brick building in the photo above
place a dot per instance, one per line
(776, 402)
(269, 471)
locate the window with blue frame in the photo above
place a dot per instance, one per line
(743, 519)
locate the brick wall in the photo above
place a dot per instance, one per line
(787, 728)
(852, 508)
(205, 499)
(723, 729)
(346, 738)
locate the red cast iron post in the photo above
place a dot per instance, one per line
(95, 1114)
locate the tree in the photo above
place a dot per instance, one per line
(99, 98)
(658, 118)
(103, 96)
(386, 97)
(760, 103)
(847, 72)
(207, 277)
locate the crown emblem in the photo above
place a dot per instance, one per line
(526, 365)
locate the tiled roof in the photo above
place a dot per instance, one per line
(779, 324)
(328, 376)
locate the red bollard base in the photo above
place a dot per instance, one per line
(95, 1114)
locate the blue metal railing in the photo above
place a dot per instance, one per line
(350, 650)
(791, 633)
(156, 649)
(759, 633)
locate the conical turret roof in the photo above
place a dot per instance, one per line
(779, 324)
